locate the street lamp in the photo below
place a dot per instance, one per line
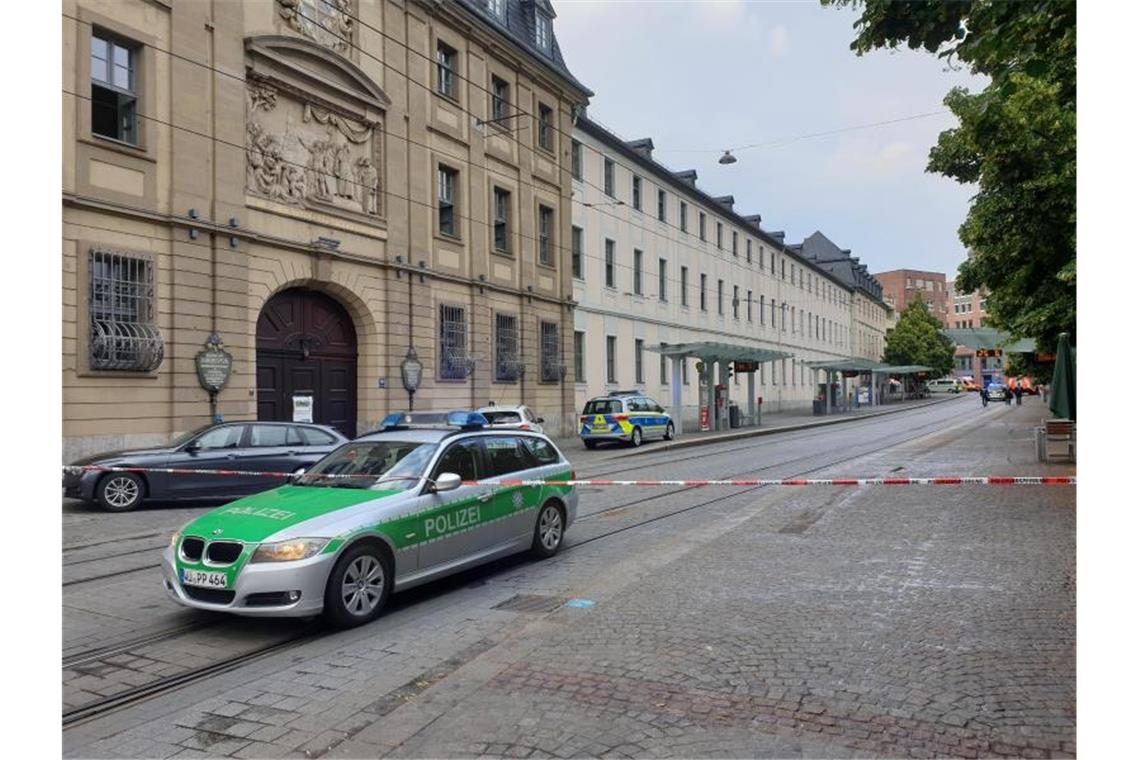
(727, 158)
(411, 372)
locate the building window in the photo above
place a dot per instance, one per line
(701, 225)
(735, 251)
(611, 359)
(579, 356)
(114, 101)
(664, 371)
(502, 222)
(508, 368)
(637, 192)
(608, 177)
(773, 303)
(684, 286)
(772, 262)
(638, 356)
(575, 159)
(761, 309)
(783, 316)
(542, 31)
(719, 235)
(551, 359)
(121, 310)
(498, 9)
(576, 252)
(684, 217)
(736, 302)
(447, 178)
(748, 251)
(500, 99)
(783, 269)
(453, 360)
(749, 302)
(720, 297)
(545, 230)
(610, 264)
(662, 280)
(545, 127)
(637, 271)
(704, 288)
(793, 320)
(661, 205)
(445, 58)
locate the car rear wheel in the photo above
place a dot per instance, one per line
(120, 492)
(590, 444)
(635, 437)
(548, 531)
(669, 432)
(358, 586)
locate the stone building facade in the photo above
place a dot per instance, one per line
(321, 185)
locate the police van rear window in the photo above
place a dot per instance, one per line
(502, 417)
(602, 406)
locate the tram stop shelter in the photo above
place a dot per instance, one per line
(716, 354)
(855, 366)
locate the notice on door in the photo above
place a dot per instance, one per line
(302, 409)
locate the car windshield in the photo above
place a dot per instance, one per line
(499, 418)
(187, 437)
(370, 464)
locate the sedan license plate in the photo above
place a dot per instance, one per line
(202, 578)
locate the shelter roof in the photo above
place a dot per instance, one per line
(715, 351)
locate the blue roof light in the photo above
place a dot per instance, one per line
(393, 421)
(467, 419)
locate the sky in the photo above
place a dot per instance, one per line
(699, 76)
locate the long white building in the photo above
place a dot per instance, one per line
(658, 262)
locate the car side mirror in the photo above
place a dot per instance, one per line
(539, 420)
(193, 447)
(448, 481)
(296, 475)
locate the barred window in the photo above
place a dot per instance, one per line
(508, 368)
(121, 305)
(579, 357)
(545, 230)
(453, 361)
(551, 370)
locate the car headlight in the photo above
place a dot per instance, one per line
(288, 551)
(174, 539)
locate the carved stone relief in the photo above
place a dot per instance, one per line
(307, 155)
(328, 22)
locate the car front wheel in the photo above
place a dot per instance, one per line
(358, 587)
(120, 492)
(590, 444)
(548, 531)
(669, 432)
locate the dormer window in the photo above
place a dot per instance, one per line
(498, 9)
(543, 32)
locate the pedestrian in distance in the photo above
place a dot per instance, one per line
(1017, 394)
(985, 397)
(1008, 396)
(1045, 393)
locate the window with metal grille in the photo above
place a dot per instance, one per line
(545, 127)
(508, 368)
(121, 308)
(114, 100)
(611, 359)
(662, 280)
(453, 360)
(637, 192)
(576, 159)
(638, 363)
(545, 230)
(500, 98)
(446, 182)
(608, 177)
(576, 252)
(661, 205)
(445, 58)
(637, 256)
(579, 357)
(609, 264)
(551, 359)
(502, 225)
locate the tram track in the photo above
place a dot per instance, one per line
(314, 631)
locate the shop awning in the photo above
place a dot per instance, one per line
(714, 351)
(975, 338)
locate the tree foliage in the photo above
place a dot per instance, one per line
(1016, 140)
(918, 339)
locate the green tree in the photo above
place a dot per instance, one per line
(918, 339)
(1016, 140)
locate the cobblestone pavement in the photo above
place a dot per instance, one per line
(815, 622)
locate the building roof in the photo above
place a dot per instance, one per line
(519, 28)
(818, 248)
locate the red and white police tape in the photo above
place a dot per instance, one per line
(992, 480)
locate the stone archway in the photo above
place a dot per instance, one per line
(306, 346)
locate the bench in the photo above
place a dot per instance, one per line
(1057, 431)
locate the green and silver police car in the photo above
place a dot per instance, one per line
(388, 511)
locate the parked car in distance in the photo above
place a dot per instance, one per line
(516, 417)
(623, 416)
(944, 385)
(247, 447)
(996, 392)
(388, 511)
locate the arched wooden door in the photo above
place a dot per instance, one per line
(306, 346)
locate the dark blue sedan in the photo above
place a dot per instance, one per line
(248, 447)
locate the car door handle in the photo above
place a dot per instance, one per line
(486, 497)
